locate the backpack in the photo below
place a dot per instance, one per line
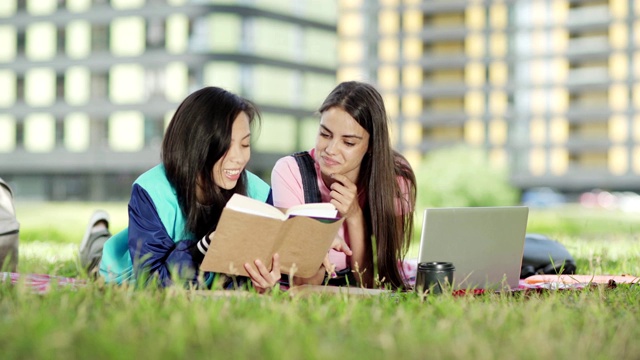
(545, 256)
(9, 230)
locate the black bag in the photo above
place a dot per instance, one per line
(545, 256)
(9, 230)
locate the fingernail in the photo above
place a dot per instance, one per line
(334, 275)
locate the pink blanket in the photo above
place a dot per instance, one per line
(40, 283)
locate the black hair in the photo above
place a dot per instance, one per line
(199, 135)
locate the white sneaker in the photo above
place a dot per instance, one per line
(98, 215)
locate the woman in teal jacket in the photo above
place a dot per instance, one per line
(175, 206)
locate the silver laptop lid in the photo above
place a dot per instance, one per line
(485, 244)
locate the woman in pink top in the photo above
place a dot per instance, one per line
(372, 186)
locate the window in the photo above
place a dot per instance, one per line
(275, 38)
(8, 84)
(39, 132)
(7, 133)
(126, 84)
(9, 43)
(177, 33)
(126, 131)
(76, 132)
(40, 41)
(78, 39)
(77, 85)
(127, 36)
(40, 87)
(265, 79)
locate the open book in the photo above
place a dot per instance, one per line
(249, 229)
(251, 206)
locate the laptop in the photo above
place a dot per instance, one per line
(485, 244)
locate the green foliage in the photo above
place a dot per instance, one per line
(63, 222)
(574, 220)
(462, 176)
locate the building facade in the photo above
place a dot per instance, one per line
(88, 86)
(550, 88)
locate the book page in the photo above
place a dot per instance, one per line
(248, 205)
(314, 210)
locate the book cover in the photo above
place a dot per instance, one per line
(249, 229)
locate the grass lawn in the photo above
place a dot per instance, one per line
(105, 322)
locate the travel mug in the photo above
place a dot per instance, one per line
(434, 276)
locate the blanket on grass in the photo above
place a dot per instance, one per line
(42, 283)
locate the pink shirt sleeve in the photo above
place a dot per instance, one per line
(286, 183)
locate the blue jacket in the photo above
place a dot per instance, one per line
(157, 231)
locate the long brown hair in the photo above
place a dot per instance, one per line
(392, 233)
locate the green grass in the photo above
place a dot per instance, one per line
(106, 322)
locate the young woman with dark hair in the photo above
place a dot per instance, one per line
(175, 207)
(371, 185)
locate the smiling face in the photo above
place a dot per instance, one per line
(341, 144)
(228, 169)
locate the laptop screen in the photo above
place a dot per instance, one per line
(485, 244)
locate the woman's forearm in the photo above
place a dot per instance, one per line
(314, 280)
(361, 260)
